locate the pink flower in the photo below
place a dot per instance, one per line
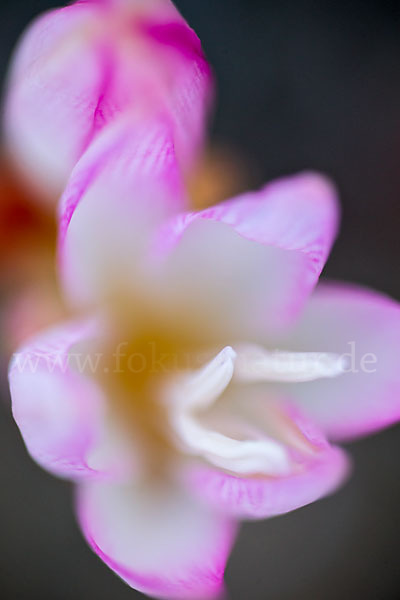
(77, 68)
(209, 375)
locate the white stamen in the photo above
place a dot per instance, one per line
(188, 397)
(249, 456)
(199, 389)
(229, 442)
(255, 364)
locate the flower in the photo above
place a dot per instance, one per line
(207, 376)
(78, 67)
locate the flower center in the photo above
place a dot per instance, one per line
(179, 399)
(135, 364)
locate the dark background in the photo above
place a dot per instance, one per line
(301, 85)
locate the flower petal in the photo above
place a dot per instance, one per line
(54, 83)
(157, 539)
(78, 68)
(364, 326)
(124, 185)
(251, 263)
(192, 97)
(317, 470)
(59, 409)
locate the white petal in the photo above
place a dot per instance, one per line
(157, 538)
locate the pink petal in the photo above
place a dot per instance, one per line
(193, 95)
(58, 409)
(315, 475)
(365, 326)
(78, 68)
(252, 262)
(155, 538)
(121, 189)
(53, 89)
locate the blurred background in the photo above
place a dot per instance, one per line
(301, 85)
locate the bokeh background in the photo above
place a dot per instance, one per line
(301, 85)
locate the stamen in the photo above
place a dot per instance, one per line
(190, 395)
(248, 456)
(228, 441)
(255, 364)
(200, 389)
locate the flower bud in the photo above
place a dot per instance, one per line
(78, 68)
